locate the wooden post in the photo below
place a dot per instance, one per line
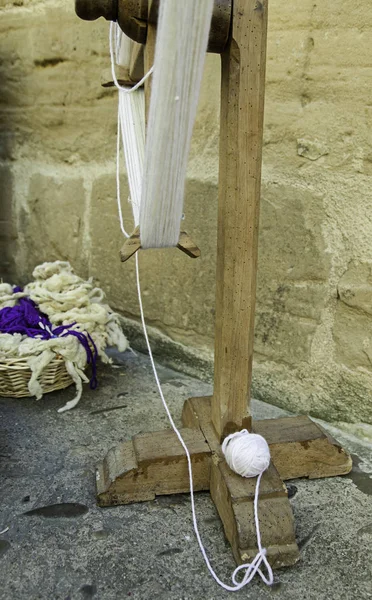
(242, 106)
(149, 56)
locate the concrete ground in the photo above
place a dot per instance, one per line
(146, 551)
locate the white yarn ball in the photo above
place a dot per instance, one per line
(247, 454)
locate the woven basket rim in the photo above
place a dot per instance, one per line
(15, 374)
(23, 359)
(20, 364)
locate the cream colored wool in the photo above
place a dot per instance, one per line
(7, 298)
(47, 269)
(65, 298)
(9, 344)
(5, 289)
(40, 354)
(181, 45)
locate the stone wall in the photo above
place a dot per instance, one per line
(313, 350)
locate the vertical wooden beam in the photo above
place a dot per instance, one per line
(149, 57)
(136, 63)
(242, 106)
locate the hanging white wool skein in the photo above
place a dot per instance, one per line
(180, 50)
(247, 454)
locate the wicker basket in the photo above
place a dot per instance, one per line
(15, 375)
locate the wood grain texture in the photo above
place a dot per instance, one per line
(187, 246)
(234, 499)
(242, 105)
(136, 63)
(237, 515)
(133, 244)
(130, 246)
(149, 57)
(150, 465)
(299, 447)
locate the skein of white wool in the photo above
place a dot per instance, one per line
(247, 454)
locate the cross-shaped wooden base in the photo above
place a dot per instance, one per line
(154, 464)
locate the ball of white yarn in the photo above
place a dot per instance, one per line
(247, 454)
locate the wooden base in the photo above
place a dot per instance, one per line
(152, 464)
(155, 464)
(299, 447)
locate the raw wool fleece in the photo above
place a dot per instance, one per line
(65, 298)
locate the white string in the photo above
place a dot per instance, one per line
(131, 126)
(121, 220)
(126, 90)
(132, 122)
(249, 569)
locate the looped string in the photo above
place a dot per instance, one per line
(126, 90)
(254, 567)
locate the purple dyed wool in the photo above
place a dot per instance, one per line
(25, 318)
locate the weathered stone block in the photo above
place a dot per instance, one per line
(311, 148)
(292, 245)
(355, 287)
(6, 193)
(54, 225)
(178, 291)
(8, 229)
(353, 324)
(49, 79)
(352, 333)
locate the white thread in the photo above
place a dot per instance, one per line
(131, 122)
(182, 36)
(247, 454)
(126, 90)
(250, 568)
(229, 446)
